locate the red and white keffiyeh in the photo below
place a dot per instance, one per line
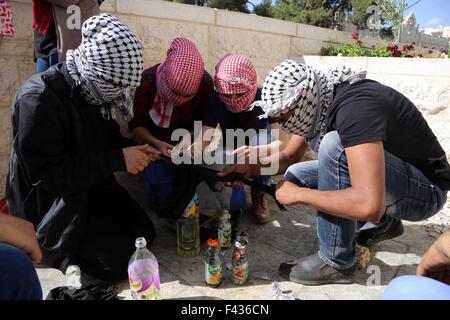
(6, 20)
(178, 79)
(235, 81)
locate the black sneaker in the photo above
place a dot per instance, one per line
(313, 271)
(388, 228)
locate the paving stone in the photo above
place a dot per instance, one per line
(50, 279)
(415, 235)
(289, 235)
(410, 262)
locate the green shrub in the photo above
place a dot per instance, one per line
(356, 50)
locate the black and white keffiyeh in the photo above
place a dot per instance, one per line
(108, 62)
(309, 92)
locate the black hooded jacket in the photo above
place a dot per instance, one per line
(62, 149)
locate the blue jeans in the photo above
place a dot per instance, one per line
(18, 278)
(44, 64)
(158, 178)
(409, 196)
(416, 288)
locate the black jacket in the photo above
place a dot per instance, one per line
(62, 149)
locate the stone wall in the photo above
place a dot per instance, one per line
(215, 32)
(16, 66)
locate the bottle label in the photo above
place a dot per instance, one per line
(240, 273)
(224, 236)
(143, 276)
(192, 210)
(213, 274)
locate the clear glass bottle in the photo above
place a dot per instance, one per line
(224, 230)
(143, 273)
(188, 230)
(240, 268)
(213, 264)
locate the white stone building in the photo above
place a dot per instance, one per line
(427, 38)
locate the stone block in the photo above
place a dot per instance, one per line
(13, 47)
(4, 161)
(109, 6)
(316, 33)
(22, 20)
(166, 10)
(304, 46)
(252, 22)
(409, 66)
(4, 131)
(326, 63)
(263, 49)
(156, 35)
(9, 79)
(26, 68)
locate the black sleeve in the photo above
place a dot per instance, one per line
(361, 120)
(206, 89)
(210, 116)
(116, 139)
(44, 150)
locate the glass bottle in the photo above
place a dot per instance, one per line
(188, 230)
(240, 269)
(224, 230)
(213, 264)
(143, 273)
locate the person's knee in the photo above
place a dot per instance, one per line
(415, 288)
(330, 146)
(292, 173)
(17, 269)
(302, 173)
(14, 261)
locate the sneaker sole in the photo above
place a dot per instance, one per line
(339, 279)
(347, 280)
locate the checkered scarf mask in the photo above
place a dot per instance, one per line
(107, 63)
(236, 75)
(6, 19)
(309, 92)
(178, 79)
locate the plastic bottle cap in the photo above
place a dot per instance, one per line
(140, 242)
(213, 243)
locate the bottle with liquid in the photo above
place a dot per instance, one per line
(143, 273)
(240, 269)
(188, 230)
(213, 265)
(224, 230)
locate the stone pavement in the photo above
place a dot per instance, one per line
(289, 235)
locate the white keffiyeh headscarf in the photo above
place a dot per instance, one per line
(108, 62)
(309, 92)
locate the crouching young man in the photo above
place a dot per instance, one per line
(66, 147)
(378, 161)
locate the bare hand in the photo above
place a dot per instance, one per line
(246, 154)
(244, 170)
(164, 147)
(181, 147)
(21, 234)
(286, 193)
(138, 158)
(435, 263)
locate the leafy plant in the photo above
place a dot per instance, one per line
(356, 50)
